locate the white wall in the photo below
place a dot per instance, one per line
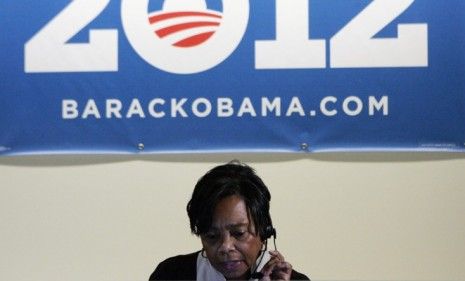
(382, 216)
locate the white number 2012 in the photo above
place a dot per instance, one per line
(353, 46)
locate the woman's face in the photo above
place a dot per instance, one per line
(232, 244)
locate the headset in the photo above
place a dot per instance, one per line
(269, 232)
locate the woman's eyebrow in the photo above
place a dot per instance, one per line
(232, 225)
(237, 225)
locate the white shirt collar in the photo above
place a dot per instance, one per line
(206, 272)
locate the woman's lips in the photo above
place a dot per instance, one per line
(231, 265)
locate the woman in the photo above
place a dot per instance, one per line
(229, 211)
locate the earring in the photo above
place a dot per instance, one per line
(203, 254)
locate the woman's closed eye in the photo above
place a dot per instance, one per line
(211, 236)
(239, 234)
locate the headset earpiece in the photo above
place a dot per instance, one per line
(270, 232)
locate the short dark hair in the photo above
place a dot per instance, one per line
(223, 181)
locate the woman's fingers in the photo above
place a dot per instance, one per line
(276, 268)
(282, 271)
(276, 254)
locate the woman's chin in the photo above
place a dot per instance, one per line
(238, 276)
(234, 271)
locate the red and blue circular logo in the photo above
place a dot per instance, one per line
(185, 23)
(184, 36)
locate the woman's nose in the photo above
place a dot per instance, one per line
(227, 244)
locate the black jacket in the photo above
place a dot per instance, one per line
(184, 267)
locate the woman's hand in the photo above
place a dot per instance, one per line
(276, 268)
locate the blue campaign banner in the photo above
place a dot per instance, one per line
(131, 76)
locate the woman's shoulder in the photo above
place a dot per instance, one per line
(295, 275)
(181, 267)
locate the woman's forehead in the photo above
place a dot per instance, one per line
(230, 211)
